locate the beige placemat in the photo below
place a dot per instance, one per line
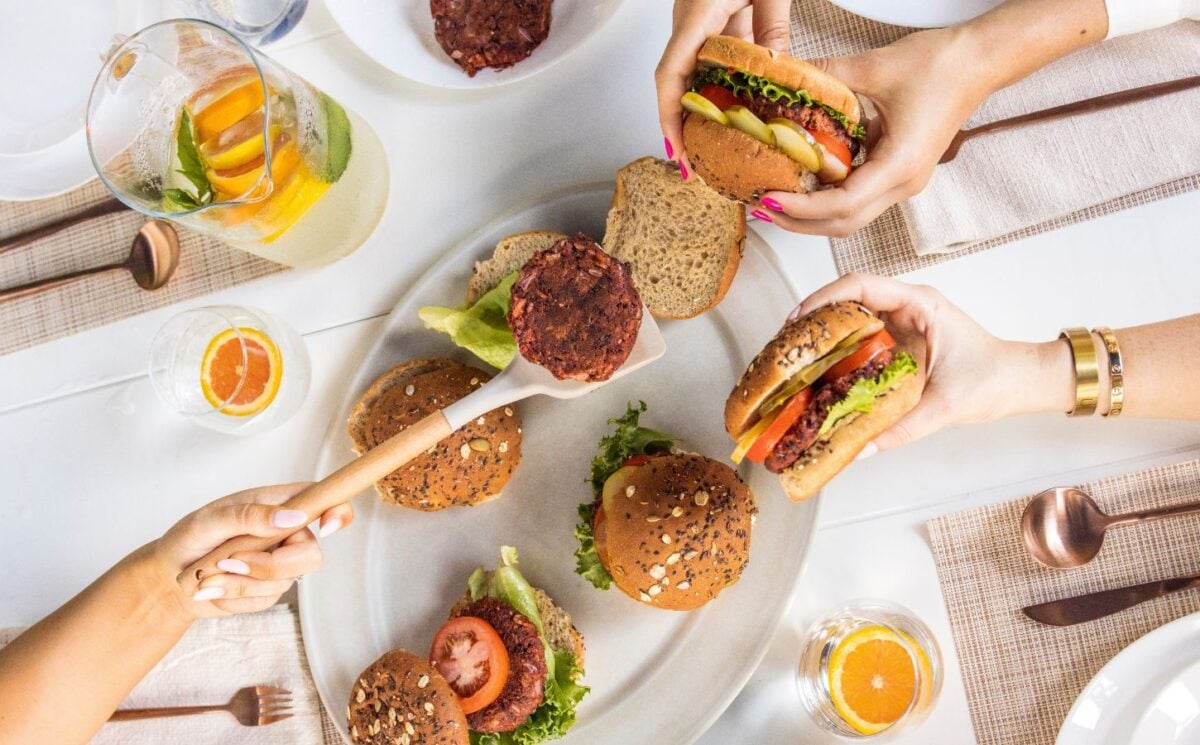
(1021, 677)
(205, 266)
(821, 29)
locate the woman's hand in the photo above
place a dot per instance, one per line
(766, 22)
(250, 581)
(969, 376)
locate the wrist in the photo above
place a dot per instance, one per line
(1042, 376)
(158, 594)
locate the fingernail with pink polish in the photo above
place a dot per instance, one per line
(670, 150)
(760, 215)
(289, 519)
(683, 171)
(233, 566)
(771, 204)
(870, 449)
(331, 527)
(209, 593)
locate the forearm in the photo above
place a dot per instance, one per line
(69, 672)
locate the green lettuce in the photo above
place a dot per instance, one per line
(626, 441)
(481, 328)
(753, 86)
(556, 714)
(861, 397)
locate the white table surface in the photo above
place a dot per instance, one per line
(93, 465)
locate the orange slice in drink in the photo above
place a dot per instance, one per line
(240, 376)
(284, 161)
(240, 102)
(238, 145)
(233, 182)
(872, 678)
(285, 210)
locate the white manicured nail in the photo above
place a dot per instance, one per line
(209, 593)
(870, 449)
(289, 519)
(331, 527)
(233, 566)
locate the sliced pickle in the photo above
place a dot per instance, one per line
(614, 488)
(797, 143)
(808, 375)
(698, 104)
(745, 120)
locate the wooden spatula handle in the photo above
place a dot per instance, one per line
(339, 486)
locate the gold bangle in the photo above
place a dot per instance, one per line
(1116, 370)
(1087, 371)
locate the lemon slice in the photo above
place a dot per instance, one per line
(241, 376)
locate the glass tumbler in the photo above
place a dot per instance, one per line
(257, 21)
(232, 369)
(188, 123)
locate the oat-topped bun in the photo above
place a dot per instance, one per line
(676, 530)
(470, 466)
(797, 345)
(401, 699)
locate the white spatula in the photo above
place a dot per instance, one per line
(520, 380)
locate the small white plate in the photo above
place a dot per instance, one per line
(398, 34)
(918, 13)
(1110, 709)
(1174, 717)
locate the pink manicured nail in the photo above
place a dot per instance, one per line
(331, 527)
(209, 593)
(761, 215)
(289, 519)
(233, 566)
(870, 449)
(771, 204)
(670, 150)
(683, 170)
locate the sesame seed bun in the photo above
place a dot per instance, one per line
(796, 346)
(739, 167)
(470, 466)
(780, 68)
(401, 698)
(679, 530)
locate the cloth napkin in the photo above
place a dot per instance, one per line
(214, 659)
(1005, 181)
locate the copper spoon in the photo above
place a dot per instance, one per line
(152, 261)
(1064, 528)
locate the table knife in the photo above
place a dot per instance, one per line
(1081, 608)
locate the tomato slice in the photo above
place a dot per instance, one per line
(639, 460)
(783, 421)
(600, 535)
(472, 658)
(868, 349)
(832, 146)
(719, 95)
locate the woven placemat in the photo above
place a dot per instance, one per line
(205, 266)
(821, 29)
(1021, 677)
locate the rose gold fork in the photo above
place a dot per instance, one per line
(252, 707)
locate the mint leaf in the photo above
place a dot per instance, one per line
(189, 158)
(587, 560)
(861, 396)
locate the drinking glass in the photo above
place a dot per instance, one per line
(863, 627)
(186, 122)
(232, 369)
(256, 21)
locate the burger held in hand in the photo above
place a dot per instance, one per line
(824, 387)
(757, 121)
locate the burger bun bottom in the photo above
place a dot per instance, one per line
(738, 166)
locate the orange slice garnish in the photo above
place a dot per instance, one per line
(241, 376)
(234, 106)
(872, 678)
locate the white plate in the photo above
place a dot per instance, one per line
(656, 676)
(1112, 705)
(918, 13)
(398, 34)
(1174, 716)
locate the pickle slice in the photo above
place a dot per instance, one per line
(698, 104)
(798, 144)
(745, 120)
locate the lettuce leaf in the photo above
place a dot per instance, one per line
(753, 86)
(587, 560)
(506, 584)
(481, 328)
(861, 397)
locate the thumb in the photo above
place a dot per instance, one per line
(772, 24)
(850, 69)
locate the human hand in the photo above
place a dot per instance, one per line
(968, 375)
(249, 581)
(765, 22)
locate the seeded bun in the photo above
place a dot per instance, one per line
(401, 698)
(560, 628)
(679, 531)
(730, 51)
(739, 167)
(826, 458)
(797, 345)
(470, 466)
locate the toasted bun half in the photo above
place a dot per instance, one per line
(402, 698)
(560, 628)
(738, 166)
(679, 530)
(470, 466)
(826, 458)
(730, 51)
(510, 255)
(797, 345)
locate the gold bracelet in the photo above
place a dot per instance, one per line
(1087, 371)
(1116, 370)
